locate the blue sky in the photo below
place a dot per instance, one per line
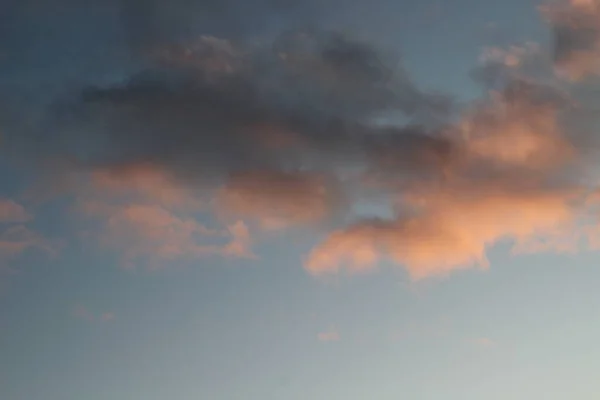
(195, 203)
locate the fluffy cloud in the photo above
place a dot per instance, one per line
(501, 188)
(149, 218)
(452, 229)
(518, 127)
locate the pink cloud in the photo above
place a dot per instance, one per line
(513, 129)
(330, 335)
(450, 225)
(154, 235)
(107, 316)
(452, 232)
(149, 217)
(83, 313)
(12, 212)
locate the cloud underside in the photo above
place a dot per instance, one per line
(254, 137)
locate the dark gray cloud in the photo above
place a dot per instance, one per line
(203, 105)
(208, 107)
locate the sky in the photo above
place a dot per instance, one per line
(280, 200)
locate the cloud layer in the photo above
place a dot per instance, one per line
(206, 141)
(15, 235)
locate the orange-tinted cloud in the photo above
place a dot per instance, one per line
(155, 236)
(515, 129)
(452, 229)
(150, 218)
(277, 200)
(499, 190)
(146, 182)
(502, 173)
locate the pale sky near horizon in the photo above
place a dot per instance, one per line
(196, 203)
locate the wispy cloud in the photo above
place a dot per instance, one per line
(83, 313)
(16, 237)
(330, 335)
(484, 342)
(12, 212)
(150, 217)
(155, 236)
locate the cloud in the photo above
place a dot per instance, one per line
(204, 115)
(518, 127)
(277, 200)
(150, 217)
(512, 57)
(12, 212)
(330, 335)
(320, 89)
(155, 236)
(576, 29)
(527, 61)
(501, 188)
(147, 182)
(147, 22)
(206, 134)
(15, 237)
(107, 316)
(83, 313)
(484, 342)
(453, 230)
